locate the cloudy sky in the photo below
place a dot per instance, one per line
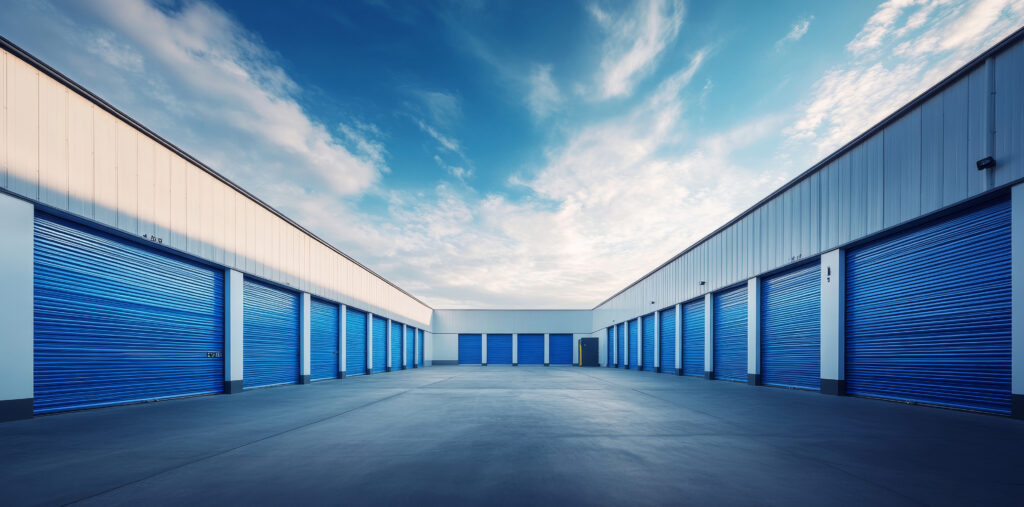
(509, 154)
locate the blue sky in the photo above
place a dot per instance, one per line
(509, 154)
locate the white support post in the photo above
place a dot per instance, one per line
(709, 339)
(1017, 305)
(304, 341)
(483, 349)
(17, 352)
(547, 349)
(754, 331)
(369, 344)
(388, 360)
(515, 349)
(679, 339)
(657, 341)
(833, 272)
(234, 325)
(342, 348)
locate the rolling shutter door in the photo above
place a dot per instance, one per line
(791, 328)
(380, 344)
(667, 339)
(270, 351)
(396, 345)
(419, 347)
(730, 335)
(499, 349)
(648, 342)
(693, 338)
(355, 342)
(469, 349)
(610, 346)
(560, 349)
(620, 339)
(928, 313)
(410, 347)
(117, 322)
(323, 340)
(632, 344)
(531, 349)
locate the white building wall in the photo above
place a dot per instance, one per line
(448, 324)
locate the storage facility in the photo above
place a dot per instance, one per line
(891, 269)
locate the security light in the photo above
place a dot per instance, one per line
(986, 163)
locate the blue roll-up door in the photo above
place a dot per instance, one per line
(667, 340)
(355, 342)
(693, 338)
(380, 344)
(928, 313)
(791, 328)
(270, 351)
(531, 349)
(410, 350)
(648, 342)
(620, 339)
(323, 340)
(560, 349)
(396, 345)
(499, 349)
(117, 322)
(730, 335)
(470, 349)
(610, 346)
(632, 344)
(419, 348)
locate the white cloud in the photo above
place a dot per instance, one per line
(444, 141)
(544, 97)
(796, 33)
(443, 107)
(635, 41)
(459, 172)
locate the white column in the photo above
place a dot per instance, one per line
(833, 269)
(17, 231)
(709, 329)
(657, 341)
(679, 339)
(369, 343)
(405, 343)
(547, 349)
(304, 338)
(342, 348)
(234, 325)
(754, 331)
(515, 349)
(1017, 305)
(387, 357)
(483, 349)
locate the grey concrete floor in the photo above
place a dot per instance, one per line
(527, 435)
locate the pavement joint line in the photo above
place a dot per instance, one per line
(235, 448)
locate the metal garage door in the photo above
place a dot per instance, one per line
(323, 340)
(610, 346)
(410, 351)
(419, 348)
(380, 344)
(791, 328)
(499, 349)
(470, 349)
(730, 335)
(928, 313)
(693, 338)
(270, 350)
(396, 345)
(117, 322)
(355, 342)
(648, 342)
(620, 339)
(560, 349)
(531, 349)
(631, 325)
(667, 340)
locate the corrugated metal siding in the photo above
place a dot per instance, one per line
(470, 349)
(499, 349)
(729, 338)
(632, 333)
(531, 349)
(380, 344)
(610, 340)
(270, 355)
(355, 342)
(323, 339)
(791, 328)
(396, 345)
(107, 334)
(928, 313)
(667, 337)
(419, 348)
(648, 342)
(410, 347)
(620, 337)
(560, 349)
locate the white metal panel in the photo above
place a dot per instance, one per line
(227, 234)
(127, 178)
(955, 167)
(53, 143)
(976, 104)
(105, 168)
(931, 154)
(217, 217)
(80, 156)
(147, 189)
(178, 234)
(241, 227)
(1009, 121)
(206, 189)
(162, 192)
(193, 209)
(22, 128)
(3, 118)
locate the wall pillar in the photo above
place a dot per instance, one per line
(483, 349)
(833, 270)
(304, 338)
(679, 339)
(709, 339)
(657, 341)
(1017, 305)
(342, 348)
(369, 344)
(754, 331)
(17, 345)
(515, 349)
(547, 349)
(387, 355)
(234, 326)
